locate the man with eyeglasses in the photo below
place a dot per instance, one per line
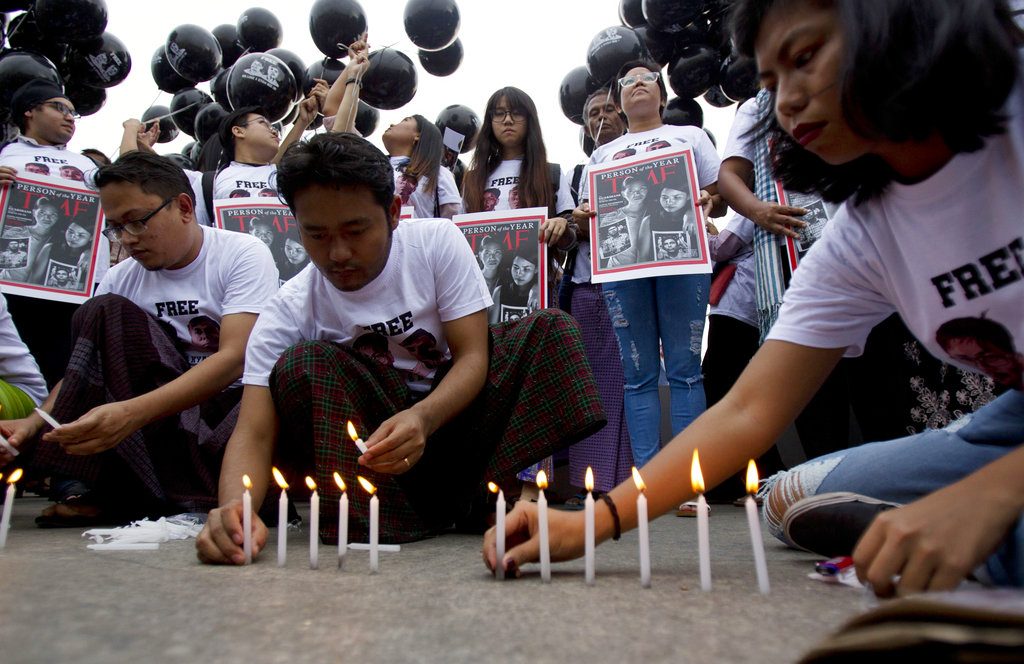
(146, 404)
(46, 120)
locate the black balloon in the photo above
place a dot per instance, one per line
(432, 24)
(631, 13)
(671, 15)
(15, 5)
(259, 79)
(219, 87)
(328, 69)
(193, 52)
(183, 162)
(739, 78)
(717, 98)
(18, 68)
(660, 45)
(461, 119)
(24, 34)
(573, 92)
(259, 30)
(367, 118)
(711, 137)
(208, 121)
(164, 75)
(230, 49)
(683, 111)
(335, 24)
(443, 62)
(610, 49)
(295, 64)
(71, 20)
(101, 63)
(87, 100)
(187, 150)
(390, 80)
(291, 117)
(194, 152)
(185, 105)
(168, 132)
(694, 71)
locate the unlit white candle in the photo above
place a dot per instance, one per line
(704, 543)
(545, 549)
(342, 528)
(282, 529)
(247, 526)
(588, 538)
(314, 530)
(757, 544)
(499, 531)
(48, 418)
(125, 546)
(374, 534)
(382, 548)
(7, 446)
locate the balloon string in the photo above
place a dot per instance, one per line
(117, 151)
(24, 18)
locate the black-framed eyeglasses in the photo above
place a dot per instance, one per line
(136, 226)
(62, 108)
(501, 113)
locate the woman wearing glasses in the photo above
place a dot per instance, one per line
(655, 313)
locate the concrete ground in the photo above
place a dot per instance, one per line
(432, 602)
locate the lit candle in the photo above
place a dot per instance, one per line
(355, 438)
(542, 523)
(247, 520)
(755, 529)
(342, 520)
(48, 418)
(314, 525)
(644, 535)
(588, 527)
(704, 544)
(374, 527)
(499, 530)
(282, 518)
(5, 521)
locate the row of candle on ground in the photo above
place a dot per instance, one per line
(703, 534)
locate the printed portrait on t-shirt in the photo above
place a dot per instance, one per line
(513, 198)
(987, 346)
(239, 193)
(37, 168)
(422, 345)
(375, 347)
(658, 145)
(491, 198)
(621, 154)
(268, 193)
(205, 334)
(405, 186)
(72, 173)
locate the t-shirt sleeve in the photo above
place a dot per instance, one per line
(276, 330)
(251, 278)
(563, 202)
(17, 366)
(741, 142)
(835, 297)
(459, 283)
(195, 178)
(706, 155)
(447, 190)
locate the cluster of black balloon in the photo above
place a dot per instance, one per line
(62, 41)
(685, 36)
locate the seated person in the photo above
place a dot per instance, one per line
(146, 405)
(449, 405)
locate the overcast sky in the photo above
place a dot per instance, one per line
(530, 44)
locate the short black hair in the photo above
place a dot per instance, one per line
(335, 160)
(979, 329)
(649, 66)
(151, 173)
(235, 118)
(902, 63)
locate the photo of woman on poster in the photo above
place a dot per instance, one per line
(670, 219)
(521, 294)
(64, 261)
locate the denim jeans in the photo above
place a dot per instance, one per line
(903, 470)
(645, 311)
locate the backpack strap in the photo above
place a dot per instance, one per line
(208, 177)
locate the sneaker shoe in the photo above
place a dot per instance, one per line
(830, 524)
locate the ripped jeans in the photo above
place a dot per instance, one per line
(903, 470)
(643, 312)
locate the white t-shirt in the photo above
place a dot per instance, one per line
(629, 144)
(951, 247)
(502, 189)
(423, 202)
(233, 273)
(236, 180)
(431, 277)
(58, 162)
(17, 366)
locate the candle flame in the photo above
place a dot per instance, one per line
(352, 431)
(246, 482)
(279, 478)
(589, 479)
(638, 481)
(492, 487)
(751, 477)
(369, 488)
(542, 480)
(310, 483)
(15, 476)
(340, 482)
(696, 477)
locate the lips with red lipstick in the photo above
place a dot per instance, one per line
(804, 133)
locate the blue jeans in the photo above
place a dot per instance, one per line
(645, 311)
(903, 470)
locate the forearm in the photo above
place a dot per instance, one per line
(294, 135)
(999, 482)
(203, 381)
(250, 449)
(737, 194)
(455, 392)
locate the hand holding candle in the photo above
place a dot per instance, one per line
(499, 530)
(703, 537)
(542, 525)
(374, 523)
(588, 528)
(342, 520)
(314, 525)
(642, 531)
(282, 518)
(247, 520)
(755, 529)
(355, 438)
(5, 520)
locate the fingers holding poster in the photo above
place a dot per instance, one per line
(271, 223)
(647, 222)
(818, 214)
(512, 258)
(49, 239)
